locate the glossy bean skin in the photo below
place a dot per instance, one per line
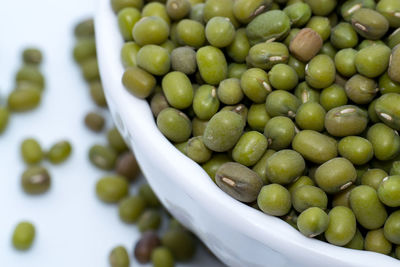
(349, 7)
(394, 70)
(369, 23)
(150, 30)
(174, 124)
(321, 25)
(299, 13)
(335, 175)
(373, 177)
(284, 166)
(384, 140)
(177, 9)
(388, 111)
(332, 97)
(250, 148)
(229, 91)
(190, 32)
(270, 25)
(311, 116)
(344, 62)
(389, 191)
(212, 64)
(128, 54)
(223, 131)
(372, 113)
(205, 102)
(386, 85)
(318, 76)
(240, 46)
(255, 84)
(342, 226)
(346, 120)
(367, 208)
(298, 66)
(315, 146)
(360, 89)
(389, 10)
(375, 241)
(220, 32)
(257, 117)
(259, 167)
(127, 18)
(245, 10)
(391, 228)
(279, 131)
(394, 39)
(356, 149)
(373, 60)
(282, 103)
(283, 77)
(299, 182)
(223, 8)
(154, 59)
(307, 196)
(312, 222)
(266, 55)
(138, 81)
(344, 36)
(321, 8)
(177, 89)
(274, 199)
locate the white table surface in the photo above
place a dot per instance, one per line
(73, 227)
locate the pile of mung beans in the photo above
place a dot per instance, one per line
(163, 246)
(291, 106)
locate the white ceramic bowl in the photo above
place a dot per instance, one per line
(237, 234)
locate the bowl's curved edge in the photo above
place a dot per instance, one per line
(142, 130)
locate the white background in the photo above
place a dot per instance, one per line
(73, 227)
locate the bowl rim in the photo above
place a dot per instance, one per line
(262, 227)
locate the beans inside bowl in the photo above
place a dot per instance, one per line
(289, 106)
